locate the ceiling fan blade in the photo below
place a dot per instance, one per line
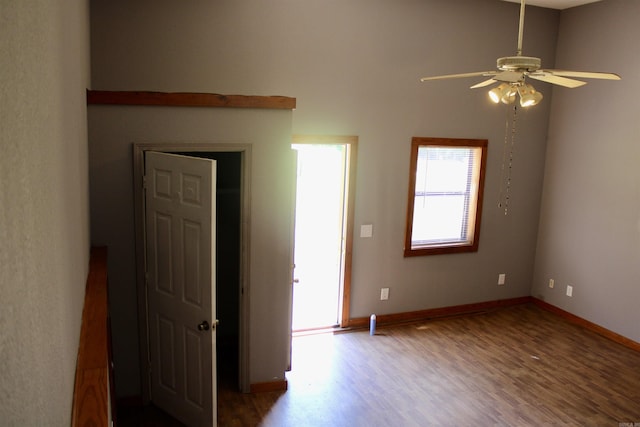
(557, 80)
(484, 83)
(583, 74)
(457, 76)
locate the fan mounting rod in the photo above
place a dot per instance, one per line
(520, 29)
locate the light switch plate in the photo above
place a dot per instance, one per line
(366, 230)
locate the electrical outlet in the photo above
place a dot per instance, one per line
(551, 283)
(502, 278)
(569, 290)
(384, 294)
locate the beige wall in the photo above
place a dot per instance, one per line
(354, 67)
(590, 218)
(44, 219)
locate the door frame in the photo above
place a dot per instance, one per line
(351, 142)
(140, 251)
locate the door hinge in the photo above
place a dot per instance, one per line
(144, 182)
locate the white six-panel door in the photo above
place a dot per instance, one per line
(180, 243)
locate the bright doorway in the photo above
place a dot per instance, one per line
(323, 231)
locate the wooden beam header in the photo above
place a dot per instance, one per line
(183, 99)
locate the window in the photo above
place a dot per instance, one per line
(445, 195)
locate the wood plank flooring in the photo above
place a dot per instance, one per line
(519, 366)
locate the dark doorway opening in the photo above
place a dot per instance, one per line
(228, 288)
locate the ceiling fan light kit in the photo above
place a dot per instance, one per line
(504, 93)
(512, 71)
(528, 95)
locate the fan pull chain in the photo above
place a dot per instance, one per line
(505, 174)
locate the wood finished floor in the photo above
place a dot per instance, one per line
(520, 366)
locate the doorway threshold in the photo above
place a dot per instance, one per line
(316, 331)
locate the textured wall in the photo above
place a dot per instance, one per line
(354, 67)
(590, 217)
(44, 220)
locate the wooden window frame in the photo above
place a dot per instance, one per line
(445, 248)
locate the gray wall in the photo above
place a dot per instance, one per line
(590, 218)
(44, 215)
(113, 129)
(354, 67)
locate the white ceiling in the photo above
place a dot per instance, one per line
(555, 4)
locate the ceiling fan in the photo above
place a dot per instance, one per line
(512, 71)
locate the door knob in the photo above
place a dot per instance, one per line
(204, 326)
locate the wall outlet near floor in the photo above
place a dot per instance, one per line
(384, 294)
(552, 283)
(502, 278)
(569, 290)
